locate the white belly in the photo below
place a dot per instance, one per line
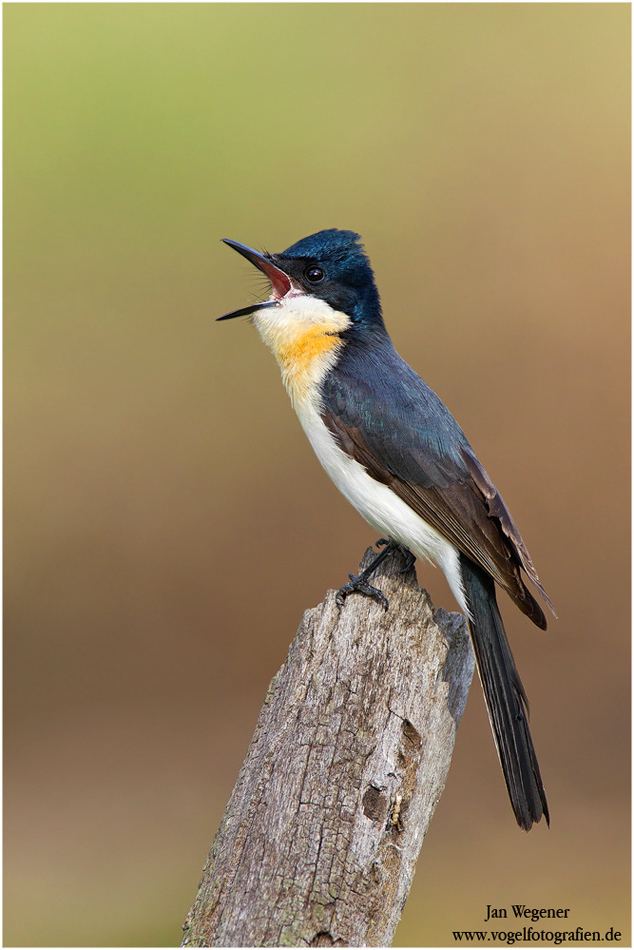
(379, 505)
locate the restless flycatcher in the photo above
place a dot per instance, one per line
(392, 447)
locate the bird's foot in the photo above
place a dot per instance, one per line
(358, 584)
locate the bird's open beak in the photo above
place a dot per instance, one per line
(280, 282)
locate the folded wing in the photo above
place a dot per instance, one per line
(394, 425)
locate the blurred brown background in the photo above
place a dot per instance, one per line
(166, 523)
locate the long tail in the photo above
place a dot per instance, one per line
(505, 698)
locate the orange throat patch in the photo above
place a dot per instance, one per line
(305, 359)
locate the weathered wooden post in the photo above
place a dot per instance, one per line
(320, 837)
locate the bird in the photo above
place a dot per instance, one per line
(396, 452)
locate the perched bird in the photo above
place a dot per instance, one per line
(394, 450)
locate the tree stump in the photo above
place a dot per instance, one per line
(319, 840)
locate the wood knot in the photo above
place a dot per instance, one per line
(411, 734)
(325, 939)
(374, 804)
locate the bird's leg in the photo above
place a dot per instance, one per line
(406, 554)
(359, 583)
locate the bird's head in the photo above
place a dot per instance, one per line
(327, 273)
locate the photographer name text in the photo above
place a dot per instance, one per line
(524, 912)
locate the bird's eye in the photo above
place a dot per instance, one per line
(314, 274)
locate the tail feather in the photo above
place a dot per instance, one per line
(506, 700)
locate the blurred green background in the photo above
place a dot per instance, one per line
(166, 523)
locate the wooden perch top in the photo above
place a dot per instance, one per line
(319, 840)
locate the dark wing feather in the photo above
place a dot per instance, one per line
(388, 419)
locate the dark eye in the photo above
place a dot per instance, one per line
(314, 274)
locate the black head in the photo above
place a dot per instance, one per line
(331, 265)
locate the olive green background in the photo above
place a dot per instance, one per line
(166, 523)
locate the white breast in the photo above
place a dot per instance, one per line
(378, 504)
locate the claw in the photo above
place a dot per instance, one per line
(358, 585)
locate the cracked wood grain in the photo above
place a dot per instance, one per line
(319, 840)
